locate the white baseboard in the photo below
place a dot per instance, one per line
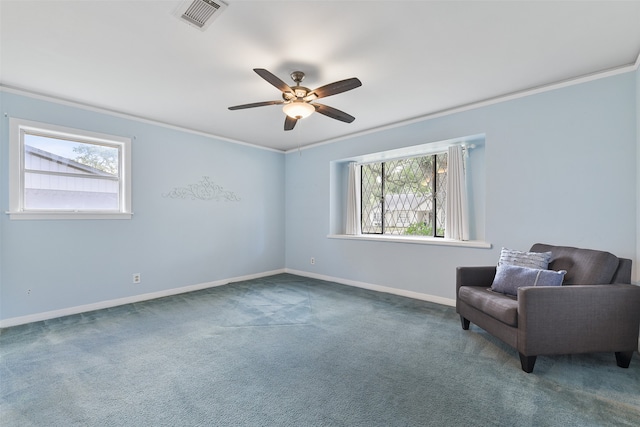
(401, 292)
(15, 321)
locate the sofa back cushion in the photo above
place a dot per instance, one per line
(584, 266)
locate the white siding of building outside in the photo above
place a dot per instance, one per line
(99, 191)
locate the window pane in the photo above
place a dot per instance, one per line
(60, 155)
(441, 193)
(371, 198)
(62, 174)
(405, 196)
(55, 192)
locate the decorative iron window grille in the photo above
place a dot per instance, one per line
(404, 196)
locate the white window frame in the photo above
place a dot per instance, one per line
(20, 127)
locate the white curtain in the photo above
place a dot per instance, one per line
(353, 225)
(457, 219)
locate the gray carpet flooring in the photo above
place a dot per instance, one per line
(292, 351)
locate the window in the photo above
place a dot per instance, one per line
(426, 194)
(405, 196)
(67, 173)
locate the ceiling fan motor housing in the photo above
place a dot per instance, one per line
(298, 92)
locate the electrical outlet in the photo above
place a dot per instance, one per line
(313, 260)
(28, 291)
(136, 278)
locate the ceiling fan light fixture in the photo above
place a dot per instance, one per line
(298, 109)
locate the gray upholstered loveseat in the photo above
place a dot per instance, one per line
(595, 310)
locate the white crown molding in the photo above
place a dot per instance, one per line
(490, 101)
(101, 110)
(442, 113)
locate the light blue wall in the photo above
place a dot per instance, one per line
(560, 168)
(173, 243)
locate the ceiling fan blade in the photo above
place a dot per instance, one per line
(255, 104)
(336, 87)
(274, 80)
(334, 113)
(289, 123)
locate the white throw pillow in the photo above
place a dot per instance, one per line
(525, 259)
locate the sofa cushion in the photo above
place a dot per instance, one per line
(509, 278)
(584, 266)
(499, 306)
(524, 259)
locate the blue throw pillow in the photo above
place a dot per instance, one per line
(510, 277)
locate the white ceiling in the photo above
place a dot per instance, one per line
(414, 58)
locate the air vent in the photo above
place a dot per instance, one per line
(200, 13)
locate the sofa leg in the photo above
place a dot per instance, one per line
(623, 358)
(527, 363)
(465, 323)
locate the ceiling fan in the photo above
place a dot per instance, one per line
(298, 101)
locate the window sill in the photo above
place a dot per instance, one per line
(68, 215)
(414, 240)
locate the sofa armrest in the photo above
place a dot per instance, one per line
(578, 319)
(475, 276)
